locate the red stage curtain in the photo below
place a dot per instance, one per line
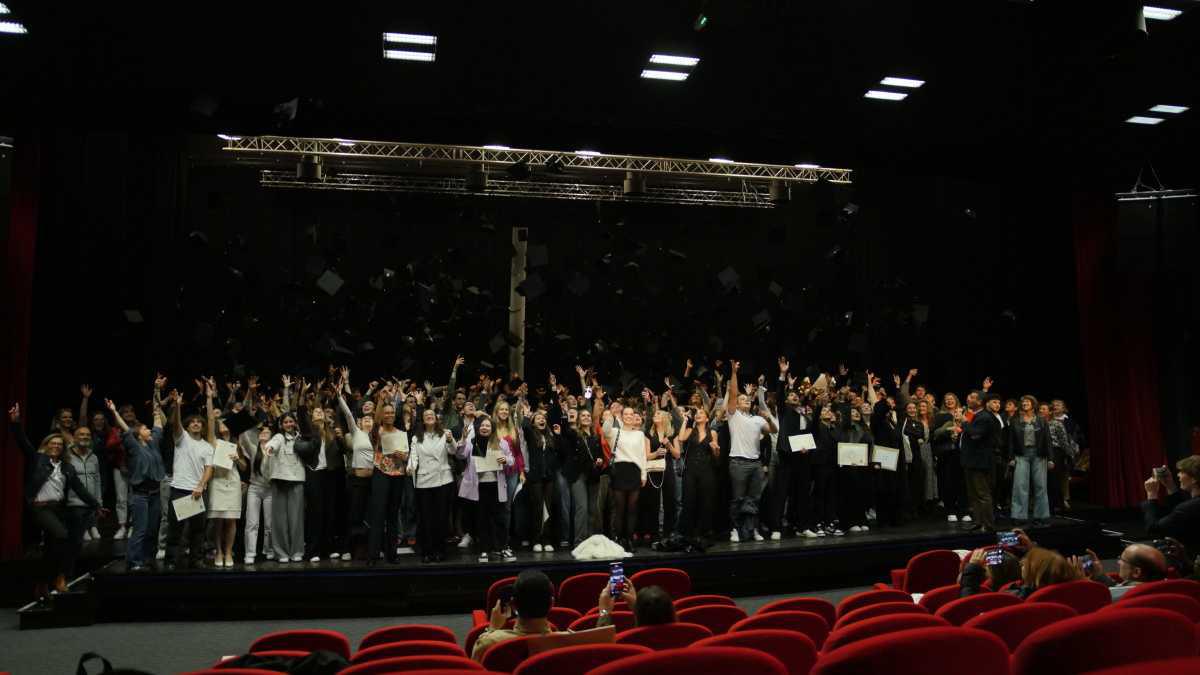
(18, 299)
(1116, 323)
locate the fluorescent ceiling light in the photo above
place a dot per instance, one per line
(671, 60)
(588, 153)
(1162, 108)
(410, 39)
(720, 160)
(405, 55)
(886, 95)
(808, 166)
(664, 75)
(901, 82)
(12, 27)
(1160, 13)
(229, 137)
(1141, 119)
(496, 147)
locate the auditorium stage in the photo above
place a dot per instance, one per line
(329, 589)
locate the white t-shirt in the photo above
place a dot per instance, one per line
(191, 457)
(744, 434)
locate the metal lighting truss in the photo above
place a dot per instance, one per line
(748, 196)
(688, 181)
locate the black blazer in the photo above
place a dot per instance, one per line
(1016, 441)
(978, 440)
(1180, 518)
(308, 444)
(826, 436)
(39, 467)
(789, 425)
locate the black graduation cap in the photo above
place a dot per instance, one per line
(775, 289)
(728, 277)
(330, 282)
(761, 319)
(532, 287)
(679, 255)
(497, 343)
(537, 256)
(240, 422)
(134, 316)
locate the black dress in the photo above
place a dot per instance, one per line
(699, 486)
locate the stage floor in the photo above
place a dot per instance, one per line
(339, 588)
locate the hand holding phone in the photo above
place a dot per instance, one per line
(616, 579)
(1008, 539)
(995, 557)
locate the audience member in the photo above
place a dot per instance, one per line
(532, 598)
(1178, 515)
(1138, 564)
(651, 606)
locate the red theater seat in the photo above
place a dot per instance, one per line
(1170, 601)
(408, 664)
(563, 616)
(577, 660)
(707, 661)
(963, 610)
(621, 621)
(697, 600)
(506, 656)
(1082, 595)
(1013, 624)
(919, 651)
(665, 636)
(880, 625)
(815, 605)
(875, 597)
(1187, 664)
(675, 582)
(879, 610)
(480, 616)
(392, 650)
(934, 599)
(795, 650)
(812, 625)
(1181, 586)
(580, 591)
(717, 618)
(926, 571)
(304, 640)
(401, 633)
(1104, 639)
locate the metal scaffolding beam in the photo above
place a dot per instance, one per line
(426, 154)
(749, 195)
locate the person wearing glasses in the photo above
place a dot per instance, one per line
(1138, 564)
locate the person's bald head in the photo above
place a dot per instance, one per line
(1141, 562)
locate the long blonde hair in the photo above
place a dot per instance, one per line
(668, 429)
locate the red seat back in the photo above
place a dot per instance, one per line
(390, 650)
(697, 600)
(304, 640)
(507, 655)
(815, 605)
(414, 631)
(581, 591)
(1014, 624)
(919, 651)
(665, 636)
(675, 582)
(1082, 595)
(707, 661)
(929, 570)
(233, 671)
(408, 664)
(563, 616)
(618, 606)
(1180, 586)
(878, 610)
(1174, 602)
(493, 593)
(795, 650)
(1187, 664)
(812, 625)
(880, 625)
(621, 621)
(717, 618)
(865, 598)
(963, 610)
(1102, 639)
(934, 599)
(576, 660)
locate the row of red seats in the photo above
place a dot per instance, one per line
(579, 592)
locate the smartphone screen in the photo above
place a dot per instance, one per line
(505, 596)
(616, 579)
(1087, 565)
(1007, 538)
(995, 557)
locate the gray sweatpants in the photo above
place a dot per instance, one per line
(287, 518)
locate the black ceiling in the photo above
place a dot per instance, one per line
(1036, 89)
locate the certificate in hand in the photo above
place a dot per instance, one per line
(887, 458)
(852, 454)
(488, 462)
(394, 442)
(221, 455)
(800, 442)
(186, 507)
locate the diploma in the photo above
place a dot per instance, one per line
(394, 442)
(800, 442)
(221, 455)
(887, 458)
(489, 462)
(186, 507)
(852, 454)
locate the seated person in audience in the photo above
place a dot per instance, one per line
(1138, 564)
(1042, 567)
(532, 598)
(979, 568)
(651, 606)
(1179, 514)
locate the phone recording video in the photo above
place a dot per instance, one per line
(616, 579)
(995, 557)
(505, 596)
(1007, 539)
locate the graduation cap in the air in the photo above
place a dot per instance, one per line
(240, 422)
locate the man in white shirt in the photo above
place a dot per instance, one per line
(189, 478)
(747, 471)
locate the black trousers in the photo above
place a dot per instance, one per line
(916, 483)
(854, 486)
(670, 503)
(891, 494)
(699, 500)
(491, 519)
(324, 524)
(951, 486)
(384, 515)
(824, 493)
(358, 489)
(649, 501)
(191, 530)
(56, 522)
(433, 516)
(541, 496)
(792, 483)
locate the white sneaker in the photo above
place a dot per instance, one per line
(952, 518)
(757, 536)
(548, 548)
(120, 533)
(483, 557)
(776, 535)
(809, 534)
(733, 537)
(249, 560)
(865, 528)
(837, 533)
(87, 535)
(466, 543)
(95, 533)
(161, 555)
(297, 558)
(269, 555)
(537, 548)
(283, 560)
(315, 558)
(404, 550)
(347, 557)
(966, 519)
(855, 528)
(507, 555)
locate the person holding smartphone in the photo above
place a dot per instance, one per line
(994, 564)
(532, 598)
(1178, 515)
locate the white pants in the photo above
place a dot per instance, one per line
(258, 506)
(121, 489)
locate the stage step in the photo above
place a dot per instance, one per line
(76, 607)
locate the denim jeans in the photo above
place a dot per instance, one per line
(145, 511)
(748, 482)
(1030, 468)
(563, 503)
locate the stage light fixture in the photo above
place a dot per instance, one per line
(12, 28)
(1172, 109)
(405, 55)
(885, 95)
(496, 147)
(901, 82)
(410, 39)
(1160, 13)
(229, 137)
(1143, 119)
(650, 74)
(720, 160)
(588, 153)
(427, 56)
(519, 171)
(700, 23)
(807, 166)
(344, 143)
(673, 60)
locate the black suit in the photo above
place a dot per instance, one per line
(891, 486)
(979, 439)
(792, 481)
(1181, 519)
(324, 491)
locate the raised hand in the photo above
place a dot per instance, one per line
(987, 383)
(735, 366)
(557, 430)
(689, 364)
(252, 382)
(553, 382)
(85, 390)
(160, 381)
(762, 379)
(14, 413)
(110, 405)
(896, 379)
(459, 360)
(912, 372)
(287, 381)
(783, 365)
